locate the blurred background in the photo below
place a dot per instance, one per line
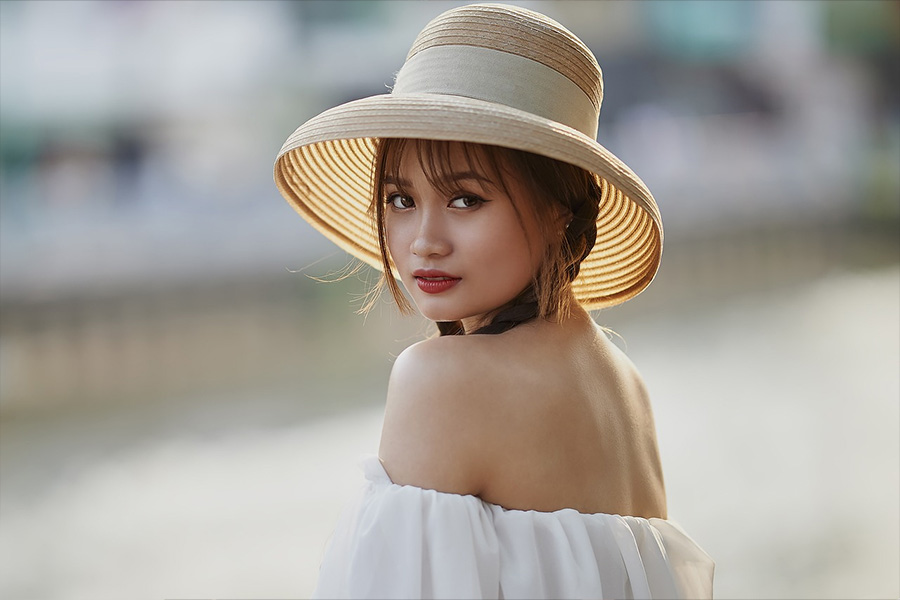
(182, 405)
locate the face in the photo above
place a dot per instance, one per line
(462, 251)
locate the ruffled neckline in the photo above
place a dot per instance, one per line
(375, 473)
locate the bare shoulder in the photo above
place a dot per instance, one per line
(437, 423)
(629, 378)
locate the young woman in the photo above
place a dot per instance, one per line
(518, 454)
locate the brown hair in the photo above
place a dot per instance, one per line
(557, 188)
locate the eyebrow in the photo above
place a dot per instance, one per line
(445, 179)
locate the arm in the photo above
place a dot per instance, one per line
(435, 426)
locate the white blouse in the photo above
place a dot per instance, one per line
(401, 541)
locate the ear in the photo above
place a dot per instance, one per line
(563, 218)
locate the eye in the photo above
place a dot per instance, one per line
(399, 201)
(465, 202)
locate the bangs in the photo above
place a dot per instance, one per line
(434, 160)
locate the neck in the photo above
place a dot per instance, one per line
(471, 324)
(524, 310)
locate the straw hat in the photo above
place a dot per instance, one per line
(490, 74)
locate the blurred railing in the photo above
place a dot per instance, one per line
(295, 333)
(163, 345)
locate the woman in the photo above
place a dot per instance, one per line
(518, 454)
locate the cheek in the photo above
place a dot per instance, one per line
(507, 249)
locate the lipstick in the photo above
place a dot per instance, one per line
(432, 281)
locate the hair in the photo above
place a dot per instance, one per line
(556, 189)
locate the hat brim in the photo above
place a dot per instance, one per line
(325, 171)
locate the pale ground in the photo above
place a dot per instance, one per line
(778, 424)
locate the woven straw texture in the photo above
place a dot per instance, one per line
(325, 168)
(538, 38)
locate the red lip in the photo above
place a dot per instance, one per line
(432, 281)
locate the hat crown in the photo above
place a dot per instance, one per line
(509, 55)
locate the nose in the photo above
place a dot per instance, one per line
(430, 238)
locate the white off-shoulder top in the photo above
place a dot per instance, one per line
(401, 541)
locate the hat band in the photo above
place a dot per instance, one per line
(499, 77)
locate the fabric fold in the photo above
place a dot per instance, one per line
(407, 542)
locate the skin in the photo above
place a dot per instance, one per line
(546, 416)
(473, 233)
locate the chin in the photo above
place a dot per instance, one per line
(440, 315)
(431, 311)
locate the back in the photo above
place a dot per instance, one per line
(584, 435)
(557, 416)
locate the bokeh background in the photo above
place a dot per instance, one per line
(182, 404)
